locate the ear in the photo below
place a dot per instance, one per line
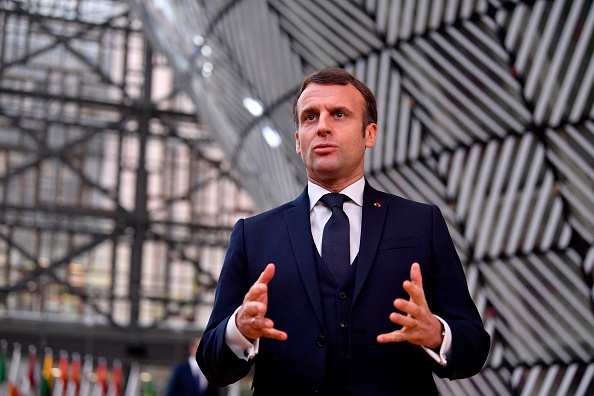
(297, 144)
(370, 135)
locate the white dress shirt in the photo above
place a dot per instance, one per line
(196, 372)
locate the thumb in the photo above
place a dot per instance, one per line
(267, 275)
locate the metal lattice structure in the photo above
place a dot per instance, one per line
(115, 203)
(486, 109)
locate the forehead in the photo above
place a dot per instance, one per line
(330, 96)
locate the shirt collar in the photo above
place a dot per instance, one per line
(193, 364)
(353, 191)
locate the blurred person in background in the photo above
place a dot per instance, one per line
(187, 379)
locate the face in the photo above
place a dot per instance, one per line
(331, 139)
(194, 347)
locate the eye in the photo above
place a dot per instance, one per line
(310, 117)
(340, 115)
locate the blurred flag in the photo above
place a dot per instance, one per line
(3, 379)
(23, 383)
(74, 379)
(33, 371)
(132, 383)
(63, 366)
(102, 375)
(96, 390)
(13, 374)
(61, 381)
(46, 373)
(85, 381)
(116, 378)
(58, 387)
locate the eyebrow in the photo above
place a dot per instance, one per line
(341, 109)
(335, 109)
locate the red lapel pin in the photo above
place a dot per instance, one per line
(377, 204)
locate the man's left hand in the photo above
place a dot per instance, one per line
(419, 325)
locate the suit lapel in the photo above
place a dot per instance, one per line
(299, 227)
(372, 224)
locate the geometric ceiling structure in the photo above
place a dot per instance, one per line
(486, 108)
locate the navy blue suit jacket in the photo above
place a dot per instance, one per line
(395, 232)
(183, 383)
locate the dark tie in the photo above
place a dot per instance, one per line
(335, 239)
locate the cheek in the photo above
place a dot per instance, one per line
(303, 144)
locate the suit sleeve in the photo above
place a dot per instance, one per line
(450, 299)
(216, 360)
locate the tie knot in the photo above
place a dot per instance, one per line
(332, 200)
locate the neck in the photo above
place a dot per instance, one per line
(334, 185)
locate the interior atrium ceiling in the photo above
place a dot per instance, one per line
(124, 163)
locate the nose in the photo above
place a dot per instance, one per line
(324, 124)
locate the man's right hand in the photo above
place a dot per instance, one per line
(250, 319)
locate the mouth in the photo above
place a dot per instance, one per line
(323, 148)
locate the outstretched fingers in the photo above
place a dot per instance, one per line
(250, 319)
(418, 325)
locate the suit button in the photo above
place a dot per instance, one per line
(321, 341)
(345, 355)
(344, 324)
(342, 295)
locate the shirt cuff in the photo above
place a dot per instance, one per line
(241, 346)
(446, 345)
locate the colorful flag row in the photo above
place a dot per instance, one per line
(69, 377)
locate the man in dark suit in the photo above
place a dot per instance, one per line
(187, 379)
(398, 311)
